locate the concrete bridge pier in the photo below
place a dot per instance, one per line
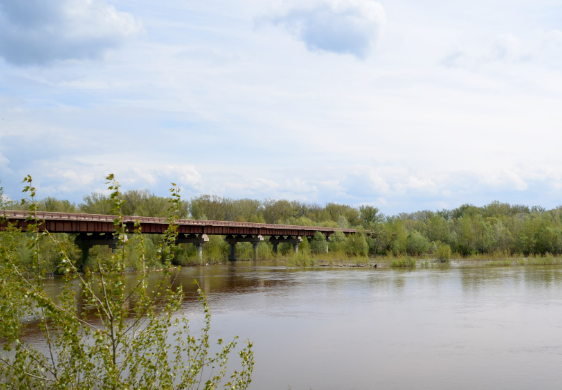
(85, 256)
(295, 240)
(233, 239)
(86, 241)
(196, 239)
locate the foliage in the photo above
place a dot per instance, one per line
(337, 242)
(98, 332)
(403, 261)
(443, 253)
(2, 200)
(468, 229)
(356, 245)
(318, 244)
(416, 243)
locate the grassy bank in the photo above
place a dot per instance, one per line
(479, 260)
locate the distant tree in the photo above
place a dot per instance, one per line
(443, 253)
(337, 242)
(209, 207)
(55, 205)
(318, 244)
(356, 245)
(277, 210)
(96, 203)
(370, 216)
(416, 243)
(2, 200)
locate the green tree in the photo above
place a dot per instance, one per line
(2, 200)
(96, 203)
(370, 216)
(318, 244)
(337, 242)
(356, 245)
(416, 243)
(443, 253)
(128, 345)
(398, 235)
(55, 205)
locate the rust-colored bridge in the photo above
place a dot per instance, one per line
(95, 229)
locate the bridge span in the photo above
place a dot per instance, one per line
(96, 229)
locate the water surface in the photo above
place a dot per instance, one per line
(340, 328)
(456, 328)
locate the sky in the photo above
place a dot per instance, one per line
(404, 105)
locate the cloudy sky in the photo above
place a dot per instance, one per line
(402, 104)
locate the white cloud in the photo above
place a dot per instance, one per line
(248, 115)
(338, 26)
(416, 184)
(543, 49)
(38, 32)
(507, 47)
(185, 175)
(83, 178)
(298, 186)
(505, 179)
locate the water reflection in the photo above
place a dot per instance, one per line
(435, 328)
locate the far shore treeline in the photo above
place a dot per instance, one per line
(466, 230)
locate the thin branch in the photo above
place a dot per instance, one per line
(49, 344)
(25, 372)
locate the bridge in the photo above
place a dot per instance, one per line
(96, 229)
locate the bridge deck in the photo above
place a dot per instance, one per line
(98, 223)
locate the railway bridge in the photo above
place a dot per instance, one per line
(97, 229)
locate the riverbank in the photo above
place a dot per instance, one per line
(427, 261)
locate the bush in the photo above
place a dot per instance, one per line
(416, 243)
(318, 243)
(443, 253)
(127, 344)
(337, 242)
(404, 261)
(356, 245)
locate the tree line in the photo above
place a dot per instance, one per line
(468, 229)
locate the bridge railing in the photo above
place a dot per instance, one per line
(57, 216)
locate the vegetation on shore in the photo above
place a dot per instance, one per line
(99, 331)
(492, 231)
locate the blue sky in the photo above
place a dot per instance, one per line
(405, 105)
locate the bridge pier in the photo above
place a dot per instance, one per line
(295, 240)
(87, 241)
(233, 239)
(197, 240)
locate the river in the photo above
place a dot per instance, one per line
(353, 328)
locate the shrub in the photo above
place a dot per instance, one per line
(318, 243)
(443, 253)
(356, 245)
(404, 261)
(126, 345)
(416, 243)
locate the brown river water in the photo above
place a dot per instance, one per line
(365, 328)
